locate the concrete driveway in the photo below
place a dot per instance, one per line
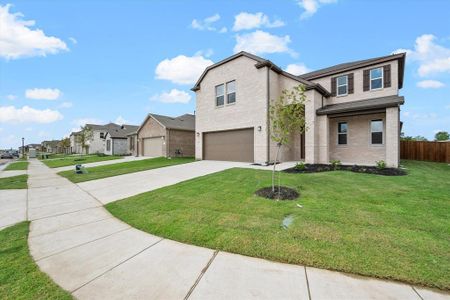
(119, 187)
(95, 256)
(103, 163)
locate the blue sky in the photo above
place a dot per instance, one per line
(102, 61)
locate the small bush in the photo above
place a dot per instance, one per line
(335, 164)
(300, 166)
(381, 164)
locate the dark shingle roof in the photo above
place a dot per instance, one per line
(120, 131)
(358, 64)
(184, 122)
(373, 103)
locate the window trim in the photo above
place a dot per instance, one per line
(382, 132)
(226, 92)
(216, 96)
(382, 79)
(338, 85)
(341, 133)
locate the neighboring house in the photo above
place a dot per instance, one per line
(36, 147)
(116, 139)
(166, 136)
(97, 143)
(75, 145)
(50, 146)
(133, 146)
(352, 111)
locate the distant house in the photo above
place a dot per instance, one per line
(50, 146)
(164, 136)
(116, 139)
(75, 145)
(132, 140)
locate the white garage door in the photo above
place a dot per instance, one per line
(153, 147)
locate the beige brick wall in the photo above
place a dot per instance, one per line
(183, 140)
(359, 94)
(392, 136)
(151, 128)
(359, 149)
(249, 111)
(133, 152)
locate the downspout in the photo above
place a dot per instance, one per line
(267, 114)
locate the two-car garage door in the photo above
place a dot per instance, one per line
(231, 145)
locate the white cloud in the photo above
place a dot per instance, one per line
(174, 96)
(259, 42)
(245, 21)
(73, 40)
(43, 94)
(66, 105)
(208, 24)
(311, 6)
(18, 38)
(83, 121)
(206, 53)
(297, 69)
(11, 97)
(26, 114)
(182, 69)
(432, 58)
(120, 120)
(430, 84)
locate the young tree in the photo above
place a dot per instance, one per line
(65, 144)
(287, 116)
(84, 137)
(442, 136)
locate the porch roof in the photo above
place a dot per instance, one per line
(362, 105)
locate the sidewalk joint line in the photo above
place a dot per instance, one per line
(191, 290)
(414, 289)
(71, 227)
(307, 283)
(66, 213)
(82, 244)
(113, 267)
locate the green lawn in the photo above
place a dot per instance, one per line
(20, 278)
(124, 168)
(75, 160)
(20, 165)
(14, 182)
(388, 227)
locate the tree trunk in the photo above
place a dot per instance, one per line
(274, 167)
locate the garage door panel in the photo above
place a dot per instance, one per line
(232, 145)
(153, 147)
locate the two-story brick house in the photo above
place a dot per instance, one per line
(352, 111)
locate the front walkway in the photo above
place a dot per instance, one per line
(95, 256)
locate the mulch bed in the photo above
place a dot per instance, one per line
(284, 194)
(313, 168)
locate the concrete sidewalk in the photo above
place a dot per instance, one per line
(95, 256)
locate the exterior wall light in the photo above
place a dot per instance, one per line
(259, 128)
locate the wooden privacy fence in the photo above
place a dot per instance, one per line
(431, 151)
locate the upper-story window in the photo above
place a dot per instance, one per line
(102, 135)
(342, 133)
(342, 85)
(376, 130)
(220, 94)
(231, 92)
(376, 78)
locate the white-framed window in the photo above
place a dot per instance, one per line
(376, 132)
(342, 133)
(231, 92)
(376, 78)
(220, 94)
(342, 85)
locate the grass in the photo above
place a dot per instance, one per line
(124, 168)
(388, 227)
(75, 160)
(20, 165)
(14, 182)
(20, 278)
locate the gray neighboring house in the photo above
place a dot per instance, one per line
(352, 111)
(116, 138)
(165, 136)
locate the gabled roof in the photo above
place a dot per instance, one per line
(120, 132)
(183, 122)
(359, 64)
(362, 105)
(260, 63)
(98, 127)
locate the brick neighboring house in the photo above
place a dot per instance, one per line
(164, 136)
(352, 111)
(116, 142)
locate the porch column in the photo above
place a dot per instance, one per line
(324, 138)
(392, 139)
